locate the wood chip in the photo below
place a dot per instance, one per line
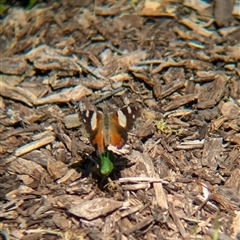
(223, 12)
(18, 93)
(95, 208)
(34, 145)
(13, 65)
(211, 152)
(180, 101)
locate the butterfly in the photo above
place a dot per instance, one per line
(109, 129)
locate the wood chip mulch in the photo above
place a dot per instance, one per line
(178, 176)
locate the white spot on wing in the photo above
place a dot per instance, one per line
(122, 120)
(129, 110)
(94, 121)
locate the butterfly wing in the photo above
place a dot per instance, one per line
(93, 122)
(109, 129)
(120, 123)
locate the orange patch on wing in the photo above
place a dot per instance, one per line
(98, 141)
(116, 139)
(118, 136)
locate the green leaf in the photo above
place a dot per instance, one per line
(106, 164)
(31, 3)
(3, 8)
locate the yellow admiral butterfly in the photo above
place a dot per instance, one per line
(109, 129)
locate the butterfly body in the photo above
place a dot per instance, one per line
(109, 129)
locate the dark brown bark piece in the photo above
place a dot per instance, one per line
(172, 87)
(13, 65)
(234, 180)
(146, 129)
(138, 226)
(211, 93)
(57, 169)
(22, 166)
(157, 89)
(223, 12)
(180, 101)
(212, 151)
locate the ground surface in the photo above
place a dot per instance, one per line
(178, 177)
